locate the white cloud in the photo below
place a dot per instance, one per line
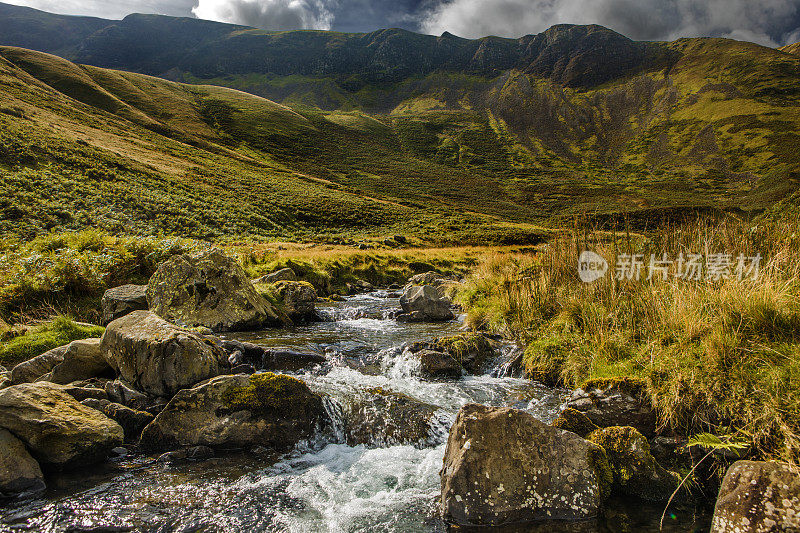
(269, 14)
(768, 22)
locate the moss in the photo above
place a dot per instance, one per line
(602, 469)
(270, 393)
(470, 349)
(635, 470)
(45, 337)
(575, 421)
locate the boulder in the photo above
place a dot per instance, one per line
(758, 497)
(472, 350)
(574, 421)
(299, 299)
(237, 412)
(81, 360)
(209, 290)
(120, 301)
(615, 402)
(32, 369)
(381, 418)
(85, 393)
(157, 357)
(289, 360)
(119, 392)
(131, 420)
(428, 278)
(438, 364)
(284, 274)
(502, 465)
(20, 474)
(57, 429)
(425, 303)
(636, 472)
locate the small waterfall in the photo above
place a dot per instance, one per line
(509, 364)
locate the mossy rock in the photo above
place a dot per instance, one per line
(237, 412)
(575, 421)
(471, 350)
(635, 470)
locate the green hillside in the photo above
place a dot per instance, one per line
(444, 145)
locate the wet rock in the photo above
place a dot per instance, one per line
(758, 497)
(20, 474)
(284, 274)
(615, 402)
(32, 369)
(574, 421)
(503, 466)
(439, 364)
(121, 393)
(119, 301)
(191, 454)
(299, 299)
(237, 412)
(470, 350)
(159, 358)
(382, 418)
(289, 360)
(208, 290)
(425, 303)
(131, 420)
(636, 472)
(57, 429)
(248, 352)
(243, 369)
(81, 360)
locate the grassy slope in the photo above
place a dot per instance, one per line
(451, 157)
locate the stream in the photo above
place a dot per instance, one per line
(326, 485)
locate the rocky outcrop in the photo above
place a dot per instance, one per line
(20, 474)
(57, 429)
(284, 274)
(636, 472)
(120, 301)
(758, 497)
(503, 466)
(237, 411)
(81, 360)
(209, 290)
(299, 299)
(32, 369)
(424, 303)
(157, 357)
(615, 402)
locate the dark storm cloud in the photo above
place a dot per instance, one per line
(769, 22)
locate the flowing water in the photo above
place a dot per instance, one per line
(326, 485)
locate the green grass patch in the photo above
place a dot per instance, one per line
(62, 330)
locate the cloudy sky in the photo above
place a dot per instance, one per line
(769, 22)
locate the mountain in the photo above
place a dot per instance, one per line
(307, 134)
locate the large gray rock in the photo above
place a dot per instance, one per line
(438, 364)
(32, 369)
(82, 360)
(636, 472)
(429, 278)
(237, 411)
(615, 402)
(209, 290)
(503, 466)
(758, 497)
(422, 303)
(284, 274)
(120, 301)
(55, 427)
(20, 474)
(299, 299)
(157, 357)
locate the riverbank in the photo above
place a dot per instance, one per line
(715, 355)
